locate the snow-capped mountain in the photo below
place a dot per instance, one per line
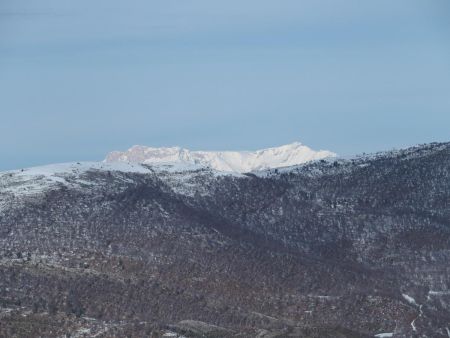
(231, 161)
(174, 163)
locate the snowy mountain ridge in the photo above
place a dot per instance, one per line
(175, 162)
(228, 161)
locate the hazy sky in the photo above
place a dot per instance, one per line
(81, 78)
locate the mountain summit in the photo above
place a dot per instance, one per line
(230, 161)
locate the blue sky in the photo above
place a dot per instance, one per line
(81, 78)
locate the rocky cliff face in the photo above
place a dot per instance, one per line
(334, 248)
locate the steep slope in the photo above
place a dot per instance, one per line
(335, 248)
(230, 161)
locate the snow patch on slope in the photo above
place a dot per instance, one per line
(225, 161)
(409, 299)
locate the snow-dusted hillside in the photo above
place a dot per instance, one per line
(231, 161)
(37, 179)
(348, 248)
(181, 177)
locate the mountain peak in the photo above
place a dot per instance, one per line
(231, 161)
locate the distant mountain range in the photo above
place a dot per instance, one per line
(232, 161)
(165, 242)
